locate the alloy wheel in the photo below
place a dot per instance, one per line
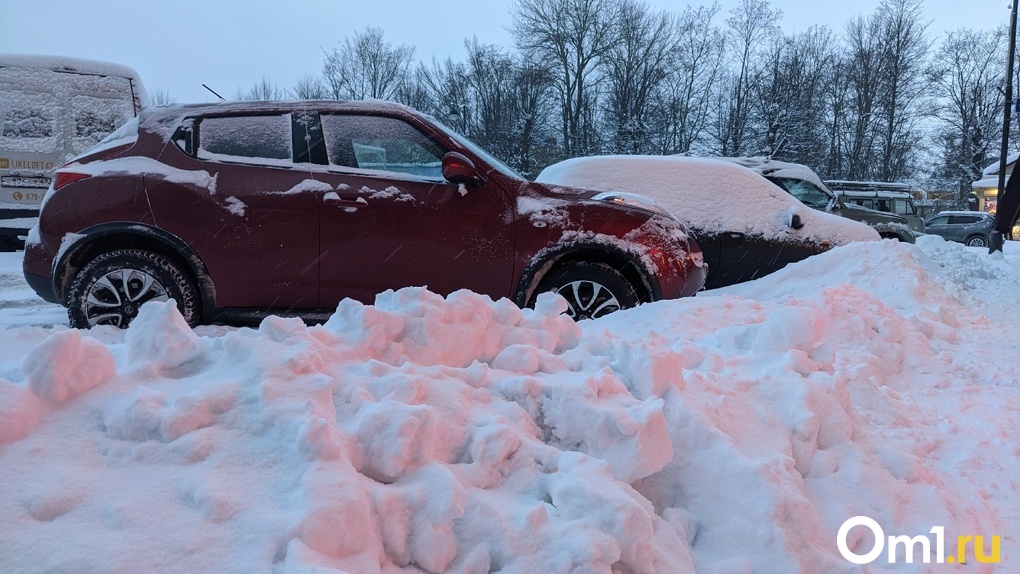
(116, 297)
(588, 300)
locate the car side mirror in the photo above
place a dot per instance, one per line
(458, 168)
(795, 221)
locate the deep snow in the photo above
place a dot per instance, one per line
(731, 432)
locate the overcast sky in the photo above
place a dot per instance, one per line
(231, 44)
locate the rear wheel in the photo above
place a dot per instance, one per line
(112, 287)
(592, 290)
(977, 241)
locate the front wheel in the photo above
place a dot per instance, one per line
(592, 290)
(977, 241)
(111, 288)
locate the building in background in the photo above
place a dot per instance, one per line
(987, 188)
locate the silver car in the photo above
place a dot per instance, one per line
(973, 228)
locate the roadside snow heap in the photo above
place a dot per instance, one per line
(728, 433)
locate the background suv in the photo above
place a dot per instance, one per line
(239, 210)
(803, 183)
(973, 228)
(894, 198)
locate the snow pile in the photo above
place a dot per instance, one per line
(727, 433)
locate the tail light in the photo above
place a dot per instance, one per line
(62, 178)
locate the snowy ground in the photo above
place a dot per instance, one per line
(727, 433)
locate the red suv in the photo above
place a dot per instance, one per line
(240, 210)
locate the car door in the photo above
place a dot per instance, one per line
(961, 226)
(391, 220)
(735, 257)
(938, 226)
(232, 198)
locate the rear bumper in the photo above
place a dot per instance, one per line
(43, 287)
(36, 267)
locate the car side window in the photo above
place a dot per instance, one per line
(246, 139)
(941, 220)
(903, 207)
(382, 144)
(963, 219)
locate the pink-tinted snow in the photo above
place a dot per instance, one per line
(733, 431)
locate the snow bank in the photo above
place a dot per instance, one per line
(733, 432)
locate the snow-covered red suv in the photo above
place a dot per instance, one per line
(240, 210)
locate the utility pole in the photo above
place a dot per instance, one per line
(1004, 149)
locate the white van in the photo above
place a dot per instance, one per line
(52, 109)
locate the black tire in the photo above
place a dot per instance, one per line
(112, 287)
(592, 290)
(976, 241)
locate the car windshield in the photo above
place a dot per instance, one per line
(804, 191)
(475, 149)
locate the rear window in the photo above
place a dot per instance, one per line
(45, 111)
(29, 122)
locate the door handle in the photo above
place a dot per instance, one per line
(333, 198)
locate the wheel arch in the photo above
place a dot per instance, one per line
(108, 237)
(644, 282)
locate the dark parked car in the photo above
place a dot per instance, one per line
(239, 210)
(746, 226)
(973, 228)
(803, 183)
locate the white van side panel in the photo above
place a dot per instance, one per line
(52, 113)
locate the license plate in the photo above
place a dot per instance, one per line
(33, 182)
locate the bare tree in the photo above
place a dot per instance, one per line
(161, 98)
(570, 37)
(787, 106)
(904, 49)
(366, 66)
(965, 71)
(751, 22)
(635, 69)
(263, 90)
(445, 92)
(310, 87)
(859, 109)
(684, 100)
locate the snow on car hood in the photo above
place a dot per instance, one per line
(713, 196)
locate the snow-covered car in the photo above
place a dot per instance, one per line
(803, 183)
(973, 228)
(53, 108)
(244, 209)
(746, 226)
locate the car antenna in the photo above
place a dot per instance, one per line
(214, 92)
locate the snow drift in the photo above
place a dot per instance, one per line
(730, 432)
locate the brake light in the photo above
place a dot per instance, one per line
(62, 178)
